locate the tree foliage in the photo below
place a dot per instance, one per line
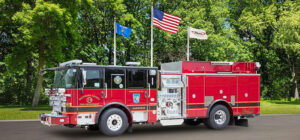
(42, 33)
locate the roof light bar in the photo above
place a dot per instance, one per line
(221, 63)
(70, 63)
(133, 63)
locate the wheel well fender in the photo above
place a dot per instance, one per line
(115, 105)
(222, 102)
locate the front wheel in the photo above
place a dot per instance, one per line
(113, 122)
(218, 117)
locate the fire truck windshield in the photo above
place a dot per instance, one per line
(64, 78)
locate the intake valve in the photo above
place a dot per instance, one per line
(169, 104)
(163, 112)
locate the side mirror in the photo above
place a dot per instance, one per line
(83, 77)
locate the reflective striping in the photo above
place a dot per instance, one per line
(82, 109)
(135, 108)
(70, 109)
(89, 109)
(247, 104)
(138, 110)
(194, 103)
(190, 106)
(248, 107)
(85, 106)
(244, 104)
(196, 106)
(152, 108)
(138, 107)
(233, 74)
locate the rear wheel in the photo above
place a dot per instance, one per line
(193, 122)
(218, 117)
(113, 122)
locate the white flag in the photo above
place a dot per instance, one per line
(198, 33)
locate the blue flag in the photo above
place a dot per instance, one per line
(123, 31)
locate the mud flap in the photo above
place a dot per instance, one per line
(241, 122)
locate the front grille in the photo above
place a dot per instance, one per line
(43, 118)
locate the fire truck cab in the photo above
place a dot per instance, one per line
(112, 98)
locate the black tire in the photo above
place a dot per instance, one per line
(213, 115)
(118, 119)
(192, 122)
(93, 128)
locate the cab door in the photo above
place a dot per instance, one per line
(137, 93)
(90, 96)
(115, 82)
(152, 95)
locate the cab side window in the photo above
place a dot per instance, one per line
(136, 78)
(93, 79)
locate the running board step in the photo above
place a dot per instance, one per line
(171, 122)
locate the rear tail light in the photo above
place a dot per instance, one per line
(257, 64)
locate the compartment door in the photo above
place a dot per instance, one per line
(195, 96)
(248, 95)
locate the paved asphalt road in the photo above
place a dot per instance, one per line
(278, 127)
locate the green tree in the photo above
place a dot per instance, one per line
(255, 23)
(287, 38)
(45, 32)
(222, 44)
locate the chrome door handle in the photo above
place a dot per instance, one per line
(149, 90)
(102, 94)
(105, 90)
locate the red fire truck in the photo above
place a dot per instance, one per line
(113, 98)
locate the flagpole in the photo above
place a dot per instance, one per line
(188, 43)
(151, 42)
(115, 57)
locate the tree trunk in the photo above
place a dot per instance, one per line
(39, 83)
(295, 83)
(296, 90)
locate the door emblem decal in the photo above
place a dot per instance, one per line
(117, 80)
(136, 98)
(89, 99)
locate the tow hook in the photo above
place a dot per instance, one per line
(86, 128)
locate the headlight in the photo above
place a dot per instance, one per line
(61, 91)
(47, 91)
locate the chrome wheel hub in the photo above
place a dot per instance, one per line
(220, 117)
(114, 122)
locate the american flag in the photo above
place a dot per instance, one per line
(165, 21)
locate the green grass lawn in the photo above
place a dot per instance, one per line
(280, 107)
(27, 112)
(20, 113)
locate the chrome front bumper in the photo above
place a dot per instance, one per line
(51, 119)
